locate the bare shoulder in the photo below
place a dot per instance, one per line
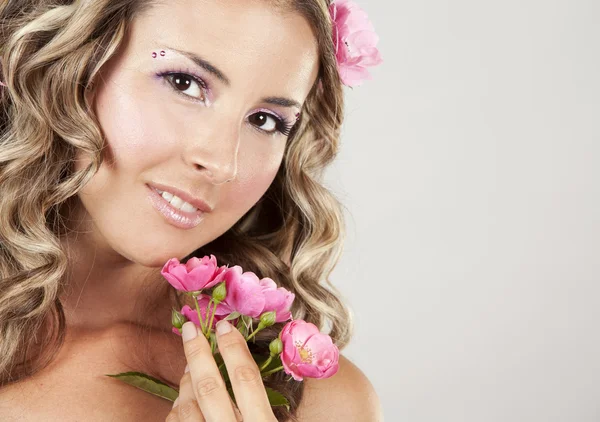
(347, 396)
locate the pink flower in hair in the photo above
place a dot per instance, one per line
(355, 42)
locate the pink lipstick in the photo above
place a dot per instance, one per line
(175, 217)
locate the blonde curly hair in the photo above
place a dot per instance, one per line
(50, 51)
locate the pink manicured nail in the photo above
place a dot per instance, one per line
(175, 402)
(189, 331)
(223, 327)
(187, 369)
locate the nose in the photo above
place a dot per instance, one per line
(213, 150)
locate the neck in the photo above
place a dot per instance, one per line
(103, 288)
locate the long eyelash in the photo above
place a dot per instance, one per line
(285, 126)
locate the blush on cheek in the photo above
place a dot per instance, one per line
(133, 121)
(130, 131)
(252, 184)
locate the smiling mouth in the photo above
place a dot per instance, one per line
(174, 216)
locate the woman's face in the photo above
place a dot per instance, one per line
(173, 131)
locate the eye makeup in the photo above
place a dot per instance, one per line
(282, 124)
(204, 86)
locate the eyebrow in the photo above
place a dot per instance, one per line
(285, 102)
(206, 65)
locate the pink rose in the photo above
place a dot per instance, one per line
(244, 292)
(276, 299)
(355, 42)
(307, 352)
(196, 274)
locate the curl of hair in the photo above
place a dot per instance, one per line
(50, 51)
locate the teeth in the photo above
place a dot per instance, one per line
(188, 207)
(168, 196)
(177, 202)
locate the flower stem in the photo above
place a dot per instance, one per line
(199, 314)
(272, 371)
(212, 344)
(253, 334)
(207, 326)
(264, 365)
(212, 317)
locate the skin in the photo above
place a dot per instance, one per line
(117, 238)
(156, 134)
(203, 395)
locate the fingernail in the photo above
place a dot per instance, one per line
(175, 402)
(223, 327)
(187, 369)
(189, 331)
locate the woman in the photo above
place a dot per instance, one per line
(234, 107)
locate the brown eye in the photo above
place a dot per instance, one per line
(261, 120)
(182, 82)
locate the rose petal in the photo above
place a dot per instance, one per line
(173, 281)
(354, 76)
(362, 39)
(310, 371)
(301, 332)
(319, 342)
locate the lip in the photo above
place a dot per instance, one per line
(196, 202)
(178, 218)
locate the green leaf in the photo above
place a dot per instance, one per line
(232, 315)
(224, 373)
(230, 391)
(247, 321)
(241, 326)
(276, 398)
(147, 383)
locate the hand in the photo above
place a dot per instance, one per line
(203, 396)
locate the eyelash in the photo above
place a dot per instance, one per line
(282, 125)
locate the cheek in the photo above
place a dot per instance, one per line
(255, 175)
(134, 129)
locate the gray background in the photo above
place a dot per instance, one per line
(470, 168)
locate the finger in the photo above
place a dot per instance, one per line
(173, 416)
(186, 394)
(187, 407)
(208, 385)
(246, 381)
(238, 415)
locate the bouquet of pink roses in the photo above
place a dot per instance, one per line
(241, 297)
